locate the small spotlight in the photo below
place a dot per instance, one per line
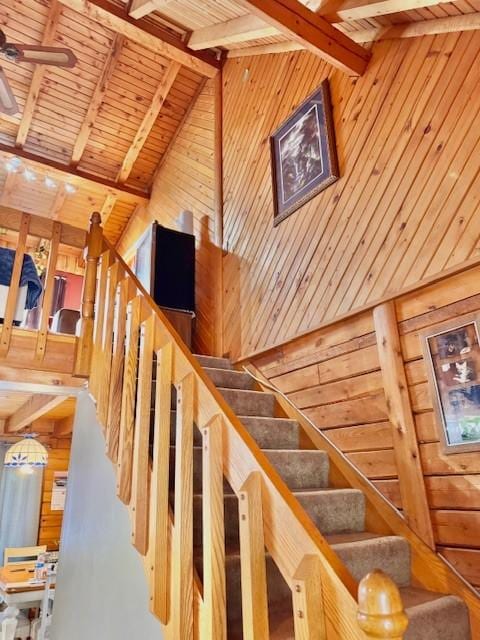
(29, 175)
(69, 188)
(13, 164)
(50, 183)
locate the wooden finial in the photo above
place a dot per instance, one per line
(380, 609)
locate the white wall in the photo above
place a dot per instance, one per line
(101, 589)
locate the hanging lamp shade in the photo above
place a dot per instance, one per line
(26, 453)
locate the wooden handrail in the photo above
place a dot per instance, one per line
(380, 608)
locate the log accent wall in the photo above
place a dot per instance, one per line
(185, 181)
(51, 521)
(404, 209)
(334, 376)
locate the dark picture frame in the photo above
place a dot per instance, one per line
(303, 154)
(452, 354)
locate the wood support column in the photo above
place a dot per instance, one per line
(218, 211)
(407, 454)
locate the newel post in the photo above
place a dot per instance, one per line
(93, 250)
(380, 609)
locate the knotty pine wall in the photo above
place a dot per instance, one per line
(185, 181)
(333, 375)
(51, 521)
(408, 139)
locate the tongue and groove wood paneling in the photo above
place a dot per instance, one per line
(333, 375)
(404, 209)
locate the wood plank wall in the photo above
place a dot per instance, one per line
(408, 143)
(185, 181)
(51, 521)
(333, 375)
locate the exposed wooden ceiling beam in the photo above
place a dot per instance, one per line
(451, 24)
(40, 228)
(58, 202)
(345, 10)
(242, 29)
(97, 99)
(145, 33)
(301, 24)
(35, 407)
(107, 208)
(53, 17)
(141, 8)
(149, 120)
(74, 175)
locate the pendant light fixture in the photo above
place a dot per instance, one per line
(27, 454)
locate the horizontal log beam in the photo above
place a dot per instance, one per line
(145, 34)
(242, 29)
(35, 407)
(141, 8)
(302, 25)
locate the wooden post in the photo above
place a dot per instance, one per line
(407, 454)
(218, 212)
(214, 589)
(380, 609)
(308, 611)
(84, 352)
(252, 560)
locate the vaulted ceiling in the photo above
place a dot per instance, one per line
(104, 126)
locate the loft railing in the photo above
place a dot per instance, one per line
(135, 361)
(38, 347)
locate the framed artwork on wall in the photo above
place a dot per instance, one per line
(452, 355)
(303, 154)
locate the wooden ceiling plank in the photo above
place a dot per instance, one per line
(149, 120)
(41, 228)
(345, 10)
(9, 188)
(242, 29)
(141, 8)
(36, 407)
(97, 98)
(58, 202)
(75, 176)
(301, 24)
(63, 427)
(53, 17)
(145, 34)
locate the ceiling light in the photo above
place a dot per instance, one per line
(12, 165)
(29, 175)
(69, 188)
(50, 183)
(27, 453)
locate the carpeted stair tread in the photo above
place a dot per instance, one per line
(230, 379)
(334, 510)
(272, 433)
(301, 468)
(364, 554)
(434, 616)
(249, 403)
(212, 362)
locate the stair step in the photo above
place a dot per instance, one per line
(301, 469)
(230, 379)
(250, 403)
(433, 616)
(273, 433)
(212, 362)
(364, 552)
(334, 510)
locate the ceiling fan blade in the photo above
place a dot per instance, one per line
(8, 104)
(55, 56)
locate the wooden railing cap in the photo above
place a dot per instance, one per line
(380, 607)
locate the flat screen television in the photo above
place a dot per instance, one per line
(165, 265)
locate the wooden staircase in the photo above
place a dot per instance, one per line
(247, 525)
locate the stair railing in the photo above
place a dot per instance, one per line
(135, 359)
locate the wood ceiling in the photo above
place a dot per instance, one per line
(105, 125)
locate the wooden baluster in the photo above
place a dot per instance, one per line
(182, 544)
(129, 392)
(159, 544)
(380, 608)
(48, 291)
(115, 272)
(96, 375)
(214, 590)
(308, 608)
(252, 559)
(10, 307)
(85, 342)
(125, 292)
(140, 485)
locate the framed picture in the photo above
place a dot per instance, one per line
(304, 157)
(452, 354)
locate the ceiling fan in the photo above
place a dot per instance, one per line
(53, 56)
